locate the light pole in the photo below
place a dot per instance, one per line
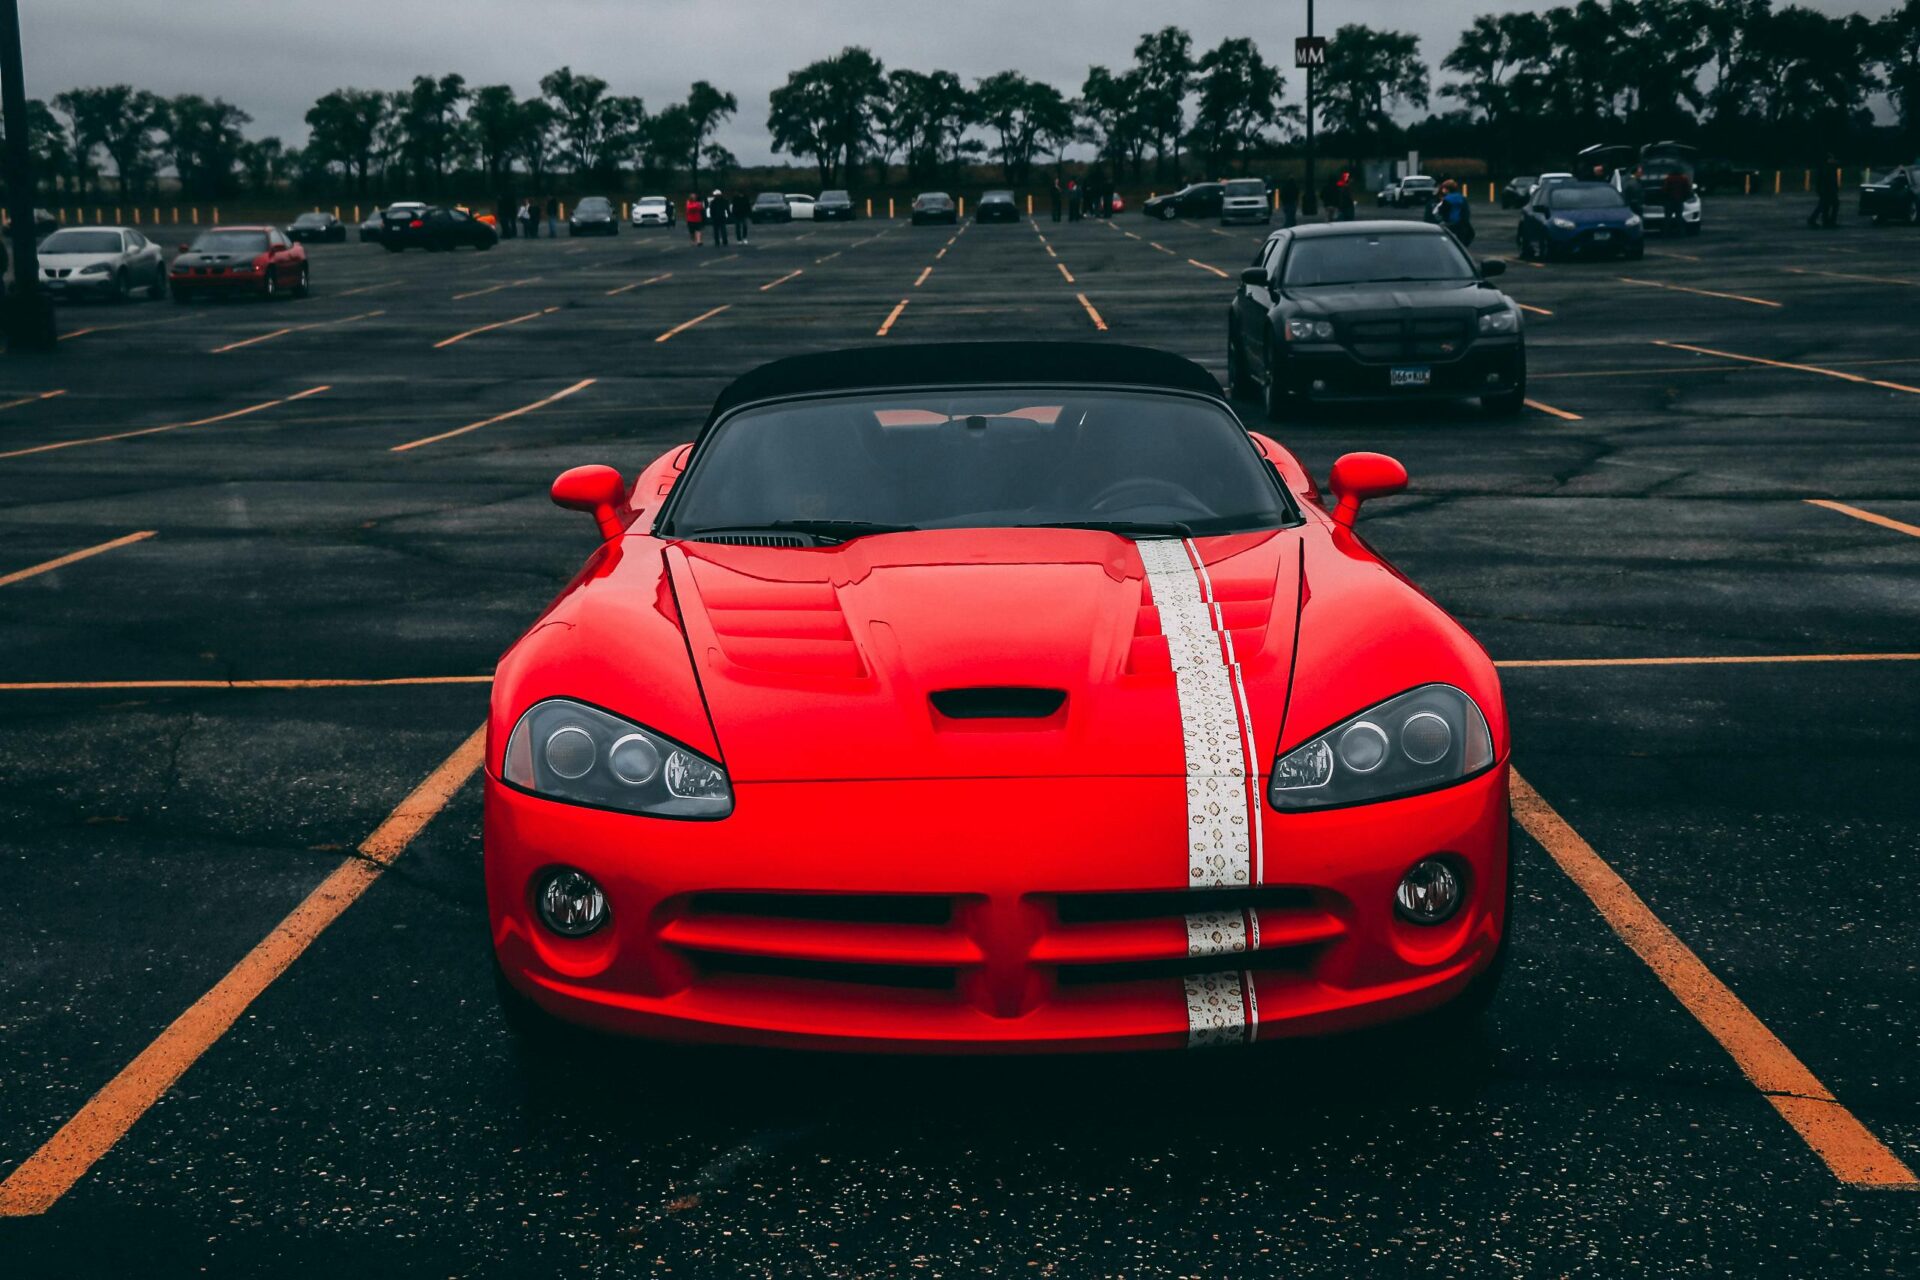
(1309, 199)
(28, 313)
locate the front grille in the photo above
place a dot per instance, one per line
(1408, 338)
(902, 976)
(1102, 908)
(847, 908)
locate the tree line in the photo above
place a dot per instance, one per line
(1736, 76)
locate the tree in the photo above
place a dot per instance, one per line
(1660, 49)
(265, 161)
(1163, 66)
(670, 139)
(926, 117)
(534, 143)
(800, 116)
(1239, 100)
(1897, 44)
(205, 143)
(433, 134)
(495, 120)
(119, 120)
(1367, 74)
(706, 107)
(596, 129)
(344, 129)
(1814, 73)
(1021, 111)
(1491, 52)
(47, 144)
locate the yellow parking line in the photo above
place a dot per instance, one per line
(1705, 293)
(293, 328)
(170, 426)
(1195, 262)
(1850, 275)
(1736, 660)
(1668, 253)
(56, 686)
(38, 396)
(892, 315)
(1063, 271)
(1093, 315)
(922, 277)
(1787, 364)
(1549, 409)
(771, 284)
(1048, 248)
(726, 258)
(640, 283)
(1538, 311)
(830, 257)
(39, 1181)
(1128, 234)
(1162, 248)
(60, 562)
(1848, 1148)
(941, 254)
(688, 324)
(498, 417)
(366, 288)
(135, 324)
(495, 288)
(1871, 517)
(497, 324)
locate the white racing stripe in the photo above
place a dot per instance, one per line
(1216, 933)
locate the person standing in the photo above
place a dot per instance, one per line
(1289, 202)
(525, 219)
(1826, 186)
(1053, 197)
(742, 210)
(719, 215)
(1453, 213)
(1343, 196)
(1674, 190)
(696, 217)
(553, 217)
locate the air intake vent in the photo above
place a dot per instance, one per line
(997, 703)
(754, 539)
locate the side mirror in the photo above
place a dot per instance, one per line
(1493, 267)
(1254, 275)
(1360, 476)
(600, 491)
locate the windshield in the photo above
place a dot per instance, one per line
(997, 197)
(835, 197)
(310, 220)
(1585, 197)
(1524, 180)
(81, 242)
(769, 200)
(981, 458)
(1246, 187)
(1388, 256)
(934, 200)
(592, 204)
(1410, 183)
(231, 242)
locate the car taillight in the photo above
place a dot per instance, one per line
(416, 223)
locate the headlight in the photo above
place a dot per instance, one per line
(1506, 320)
(1422, 739)
(1565, 224)
(1633, 219)
(1310, 330)
(95, 269)
(566, 750)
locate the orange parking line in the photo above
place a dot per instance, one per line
(1098, 323)
(1705, 293)
(1195, 262)
(1787, 364)
(60, 562)
(43, 395)
(367, 288)
(497, 324)
(1538, 311)
(1733, 660)
(892, 315)
(922, 277)
(293, 328)
(1871, 517)
(39, 1181)
(498, 417)
(170, 426)
(771, 284)
(941, 254)
(495, 288)
(60, 686)
(1063, 271)
(727, 258)
(688, 324)
(1162, 248)
(1850, 275)
(640, 283)
(830, 257)
(1549, 409)
(1834, 1133)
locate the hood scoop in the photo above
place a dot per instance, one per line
(997, 702)
(753, 539)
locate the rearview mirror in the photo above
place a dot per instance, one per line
(1254, 275)
(1360, 476)
(1493, 267)
(598, 490)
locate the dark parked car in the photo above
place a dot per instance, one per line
(434, 228)
(1196, 200)
(1518, 191)
(593, 216)
(1714, 175)
(770, 206)
(1892, 195)
(833, 206)
(370, 227)
(1580, 218)
(315, 227)
(997, 206)
(1373, 311)
(934, 206)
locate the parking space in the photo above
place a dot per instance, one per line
(258, 561)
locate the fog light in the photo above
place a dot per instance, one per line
(570, 903)
(1319, 384)
(1429, 892)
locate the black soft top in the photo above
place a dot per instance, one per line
(946, 364)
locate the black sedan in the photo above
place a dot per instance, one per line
(593, 216)
(997, 206)
(934, 206)
(370, 227)
(1373, 311)
(1196, 200)
(1518, 191)
(434, 228)
(1892, 196)
(770, 206)
(317, 227)
(833, 206)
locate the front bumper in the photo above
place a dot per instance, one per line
(1249, 213)
(78, 286)
(228, 282)
(598, 228)
(992, 915)
(1327, 372)
(1585, 243)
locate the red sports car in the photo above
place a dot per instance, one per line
(256, 260)
(991, 697)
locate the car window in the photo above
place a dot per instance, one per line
(136, 240)
(981, 458)
(231, 242)
(592, 204)
(1584, 196)
(74, 240)
(1379, 258)
(1246, 187)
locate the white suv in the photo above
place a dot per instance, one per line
(652, 211)
(1244, 200)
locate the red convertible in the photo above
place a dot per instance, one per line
(991, 697)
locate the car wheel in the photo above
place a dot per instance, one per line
(486, 244)
(1278, 404)
(269, 287)
(158, 289)
(300, 288)
(122, 286)
(1508, 404)
(1635, 252)
(391, 247)
(1168, 213)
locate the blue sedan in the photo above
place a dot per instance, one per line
(1584, 219)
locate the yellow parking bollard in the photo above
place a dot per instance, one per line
(116, 215)
(1776, 182)
(176, 215)
(869, 206)
(1029, 204)
(1490, 195)
(216, 213)
(336, 212)
(356, 213)
(889, 206)
(963, 207)
(1806, 180)
(1748, 180)
(196, 215)
(136, 215)
(63, 217)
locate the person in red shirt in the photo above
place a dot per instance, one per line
(696, 217)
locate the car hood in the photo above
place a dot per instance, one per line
(1593, 217)
(824, 664)
(191, 259)
(74, 261)
(1397, 297)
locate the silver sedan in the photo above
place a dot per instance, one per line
(107, 262)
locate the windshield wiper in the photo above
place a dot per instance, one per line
(1147, 528)
(843, 530)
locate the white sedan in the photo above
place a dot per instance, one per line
(652, 211)
(801, 207)
(107, 262)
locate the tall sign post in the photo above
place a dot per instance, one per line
(27, 311)
(1309, 51)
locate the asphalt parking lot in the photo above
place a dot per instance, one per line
(288, 541)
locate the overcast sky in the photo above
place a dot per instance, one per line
(274, 57)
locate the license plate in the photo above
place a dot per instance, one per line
(1409, 375)
(1603, 234)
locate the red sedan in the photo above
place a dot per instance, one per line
(256, 260)
(991, 697)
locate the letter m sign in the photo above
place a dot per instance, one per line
(1310, 51)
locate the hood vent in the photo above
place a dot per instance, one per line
(997, 703)
(754, 539)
